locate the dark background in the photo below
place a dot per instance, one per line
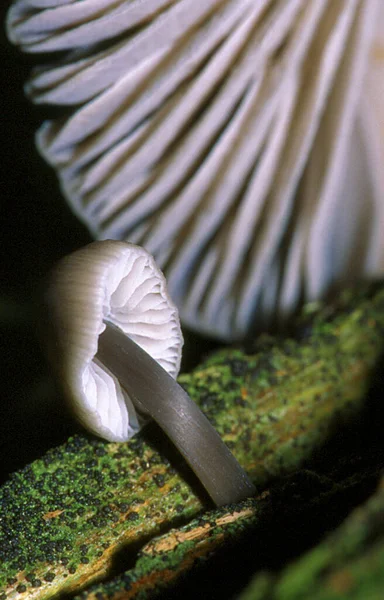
(36, 228)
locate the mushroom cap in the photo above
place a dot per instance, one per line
(119, 283)
(230, 138)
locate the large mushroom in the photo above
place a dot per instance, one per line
(238, 141)
(114, 339)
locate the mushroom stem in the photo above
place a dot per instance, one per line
(155, 393)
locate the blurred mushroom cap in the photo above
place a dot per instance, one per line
(119, 283)
(238, 141)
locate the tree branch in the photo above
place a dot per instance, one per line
(66, 517)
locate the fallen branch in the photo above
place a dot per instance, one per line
(66, 516)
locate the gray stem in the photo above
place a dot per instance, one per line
(155, 393)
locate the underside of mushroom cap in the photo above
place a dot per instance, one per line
(230, 138)
(112, 282)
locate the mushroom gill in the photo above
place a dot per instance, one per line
(118, 284)
(238, 141)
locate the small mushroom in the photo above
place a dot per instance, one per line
(234, 139)
(114, 338)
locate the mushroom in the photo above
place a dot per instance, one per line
(115, 342)
(231, 138)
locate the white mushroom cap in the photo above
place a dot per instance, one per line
(233, 139)
(118, 283)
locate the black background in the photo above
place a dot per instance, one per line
(36, 228)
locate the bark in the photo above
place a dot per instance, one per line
(81, 512)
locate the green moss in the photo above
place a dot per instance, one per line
(52, 509)
(70, 511)
(160, 562)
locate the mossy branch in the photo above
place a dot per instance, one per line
(349, 560)
(66, 516)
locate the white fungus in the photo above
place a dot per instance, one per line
(240, 142)
(112, 282)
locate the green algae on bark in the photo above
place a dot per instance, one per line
(65, 516)
(164, 559)
(216, 553)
